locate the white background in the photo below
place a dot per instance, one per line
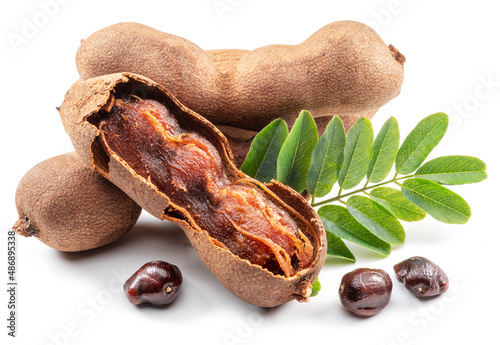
(452, 65)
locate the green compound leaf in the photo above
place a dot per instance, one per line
(295, 155)
(385, 149)
(338, 221)
(337, 248)
(376, 219)
(299, 160)
(327, 158)
(420, 142)
(440, 202)
(453, 170)
(357, 154)
(260, 162)
(396, 203)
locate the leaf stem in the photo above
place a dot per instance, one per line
(361, 190)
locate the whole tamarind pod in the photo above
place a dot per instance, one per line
(70, 207)
(264, 243)
(343, 69)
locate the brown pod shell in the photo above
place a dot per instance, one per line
(68, 206)
(250, 282)
(343, 69)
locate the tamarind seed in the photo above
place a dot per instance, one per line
(365, 291)
(422, 277)
(156, 282)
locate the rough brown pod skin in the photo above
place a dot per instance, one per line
(343, 69)
(68, 206)
(250, 282)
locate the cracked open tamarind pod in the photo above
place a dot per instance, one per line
(343, 69)
(264, 243)
(70, 207)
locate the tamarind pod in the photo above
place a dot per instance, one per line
(84, 113)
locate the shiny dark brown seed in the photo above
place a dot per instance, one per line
(157, 282)
(421, 277)
(365, 291)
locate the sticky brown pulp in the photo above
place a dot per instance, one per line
(187, 168)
